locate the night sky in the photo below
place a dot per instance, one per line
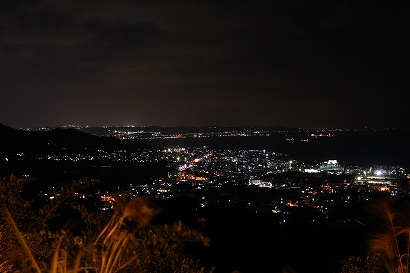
(296, 63)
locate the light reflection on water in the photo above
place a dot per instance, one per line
(354, 149)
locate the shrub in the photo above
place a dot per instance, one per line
(125, 243)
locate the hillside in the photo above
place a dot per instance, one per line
(59, 141)
(61, 155)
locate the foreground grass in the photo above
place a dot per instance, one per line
(125, 243)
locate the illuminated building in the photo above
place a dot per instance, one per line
(331, 166)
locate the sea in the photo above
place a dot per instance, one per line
(353, 148)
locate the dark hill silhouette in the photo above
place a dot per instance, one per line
(59, 139)
(22, 153)
(187, 129)
(12, 139)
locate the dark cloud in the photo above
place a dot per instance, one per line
(297, 63)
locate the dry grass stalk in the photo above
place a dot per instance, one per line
(20, 238)
(393, 243)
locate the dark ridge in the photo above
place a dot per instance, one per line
(60, 140)
(187, 129)
(13, 139)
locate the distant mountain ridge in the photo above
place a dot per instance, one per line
(59, 139)
(103, 130)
